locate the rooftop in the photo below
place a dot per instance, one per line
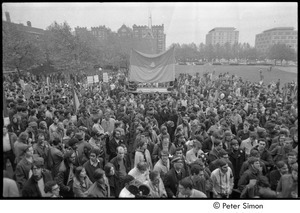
(223, 29)
(279, 28)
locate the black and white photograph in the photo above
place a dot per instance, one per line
(151, 101)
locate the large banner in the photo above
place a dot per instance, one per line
(147, 68)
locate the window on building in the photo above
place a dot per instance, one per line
(288, 33)
(280, 33)
(283, 37)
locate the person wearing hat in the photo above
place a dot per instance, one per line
(34, 187)
(172, 178)
(249, 143)
(24, 166)
(222, 180)
(237, 157)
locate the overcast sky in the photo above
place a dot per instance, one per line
(183, 22)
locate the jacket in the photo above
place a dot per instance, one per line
(22, 172)
(286, 186)
(97, 190)
(158, 148)
(31, 188)
(80, 190)
(90, 169)
(237, 158)
(171, 182)
(246, 177)
(63, 180)
(114, 161)
(143, 156)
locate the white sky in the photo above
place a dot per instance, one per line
(183, 22)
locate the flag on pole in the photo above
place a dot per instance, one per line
(75, 100)
(156, 68)
(5, 111)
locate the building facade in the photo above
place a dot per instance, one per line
(27, 29)
(100, 32)
(222, 35)
(282, 35)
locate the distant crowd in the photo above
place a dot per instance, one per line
(210, 136)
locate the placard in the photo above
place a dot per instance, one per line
(105, 77)
(96, 78)
(90, 79)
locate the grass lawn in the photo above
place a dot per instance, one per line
(250, 73)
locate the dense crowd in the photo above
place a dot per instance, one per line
(211, 136)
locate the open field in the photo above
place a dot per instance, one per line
(250, 73)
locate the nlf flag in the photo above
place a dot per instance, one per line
(147, 68)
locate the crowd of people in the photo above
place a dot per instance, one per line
(211, 136)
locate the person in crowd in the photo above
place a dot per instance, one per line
(186, 190)
(142, 154)
(288, 184)
(250, 176)
(10, 188)
(94, 163)
(24, 166)
(113, 181)
(99, 189)
(9, 138)
(173, 177)
(65, 175)
(163, 144)
(281, 168)
(249, 143)
(237, 157)
(34, 186)
(192, 154)
(163, 164)
(19, 145)
(156, 185)
(81, 182)
(114, 143)
(260, 189)
(52, 189)
(222, 180)
(121, 165)
(55, 157)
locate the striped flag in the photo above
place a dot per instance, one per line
(75, 100)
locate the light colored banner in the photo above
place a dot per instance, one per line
(105, 77)
(96, 78)
(90, 79)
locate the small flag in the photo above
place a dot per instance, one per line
(5, 111)
(76, 101)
